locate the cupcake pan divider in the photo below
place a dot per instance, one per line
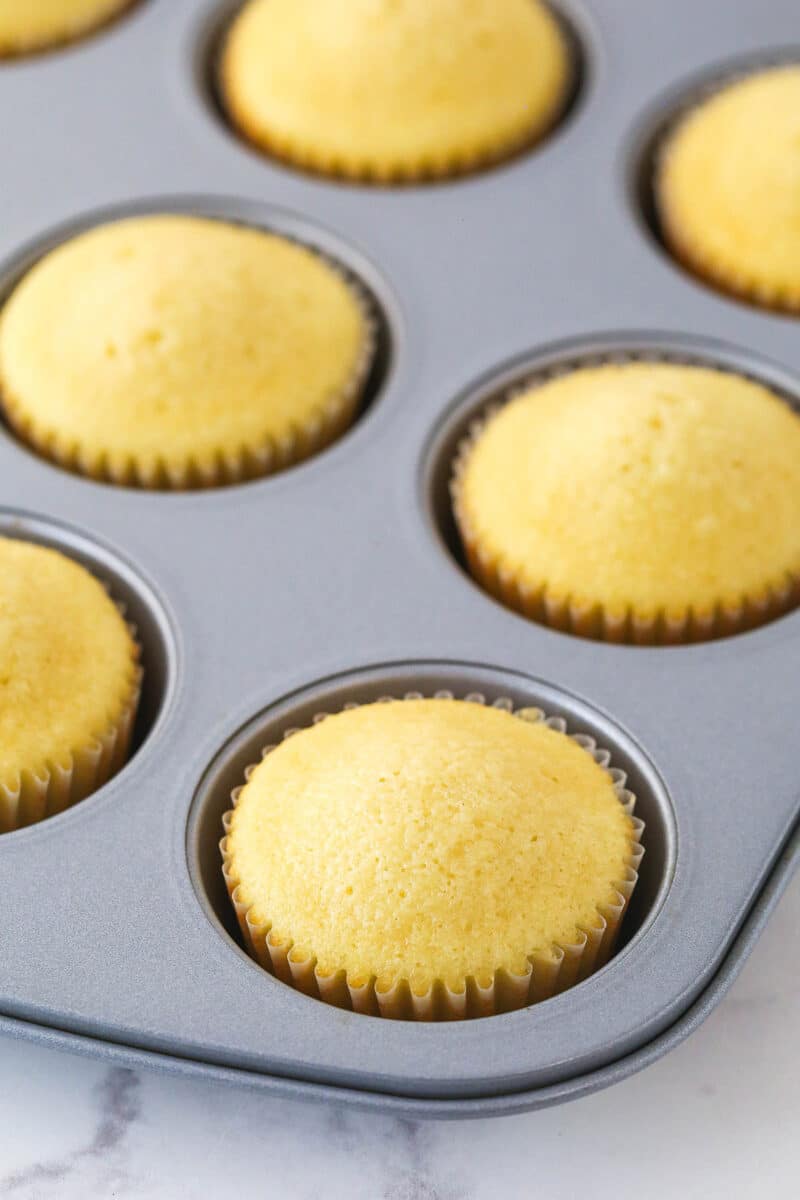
(260, 605)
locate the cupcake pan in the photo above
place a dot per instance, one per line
(339, 580)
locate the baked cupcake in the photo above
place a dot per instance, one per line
(649, 501)
(27, 26)
(394, 89)
(431, 859)
(728, 189)
(70, 683)
(200, 353)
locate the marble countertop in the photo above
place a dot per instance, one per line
(716, 1118)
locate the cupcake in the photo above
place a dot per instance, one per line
(26, 27)
(394, 89)
(645, 501)
(728, 189)
(431, 859)
(199, 352)
(70, 683)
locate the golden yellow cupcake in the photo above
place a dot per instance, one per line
(728, 189)
(648, 502)
(27, 26)
(394, 89)
(177, 351)
(431, 859)
(69, 679)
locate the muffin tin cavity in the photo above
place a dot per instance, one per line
(487, 395)
(136, 600)
(207, 50)
(428, 678)
(653, 131)
(303, 441)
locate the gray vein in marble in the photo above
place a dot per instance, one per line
(119, 1106)
(414, 1180)
(405, 1153)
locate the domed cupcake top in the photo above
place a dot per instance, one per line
(30, 25)
(68, 665)
(200, 352)
(393, 89)
(427, 840)
(648, 487)
(728, 188)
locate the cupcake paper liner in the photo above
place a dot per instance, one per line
(548, 973)
(426, 169)
(716, 272)
(625, 625)
(688, 250)
(60, 782)
(226, 466)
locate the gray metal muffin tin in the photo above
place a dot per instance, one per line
(260, 604)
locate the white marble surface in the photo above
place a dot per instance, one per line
(716, 1118)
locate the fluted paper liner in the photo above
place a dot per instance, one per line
(563, 612)
(426, 169)
(695, 256)
(57, 783)
(228, 465)
(549, 971)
